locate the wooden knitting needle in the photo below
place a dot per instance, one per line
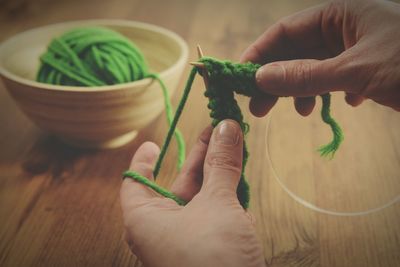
(199, 51)
(197, 64)
(200, 55)
(200, 65)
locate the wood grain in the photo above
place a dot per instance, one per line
(59, 206)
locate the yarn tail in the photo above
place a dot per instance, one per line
(329, 149)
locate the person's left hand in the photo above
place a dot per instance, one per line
(212, 229)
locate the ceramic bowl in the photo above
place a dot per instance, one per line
(95, 117)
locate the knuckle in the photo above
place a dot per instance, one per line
(224, 160)
(255, 52)
(281, 28)
(196, 175)
(331, 17)
(225, 196)
(333, 7)
(301, 75)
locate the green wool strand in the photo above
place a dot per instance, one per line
(97, 56)
(164, 192)
(330, 148)
(178, 113)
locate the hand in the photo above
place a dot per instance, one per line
(212, 229)
(352, 46)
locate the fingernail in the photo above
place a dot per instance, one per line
(227, 133)
(270, 73)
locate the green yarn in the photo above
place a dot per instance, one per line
(226, 78)
(172, 125)
(330, 148)
(97, 56)
(178, 113)
(92, 56)
(145, 181)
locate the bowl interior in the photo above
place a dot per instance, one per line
(19, 55)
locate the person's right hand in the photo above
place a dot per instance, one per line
(351, 46)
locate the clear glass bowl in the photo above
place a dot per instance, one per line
(364, 175)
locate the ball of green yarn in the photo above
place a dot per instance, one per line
(91, 56)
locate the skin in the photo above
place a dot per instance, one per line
(351, 46)
(212, 229)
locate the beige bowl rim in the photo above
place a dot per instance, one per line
(111, 22)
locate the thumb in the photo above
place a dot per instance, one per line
(302, 78)
(223, 163)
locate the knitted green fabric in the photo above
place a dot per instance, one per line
(225, 79)
(98, 56)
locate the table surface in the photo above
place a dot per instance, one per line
(59, 206)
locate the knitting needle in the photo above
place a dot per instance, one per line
(199, 51)
(204, 71)
(197, 64)
(200, 54)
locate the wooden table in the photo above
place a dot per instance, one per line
(59, 206)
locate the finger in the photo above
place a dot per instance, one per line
(143, 162)
(299, 36)
(223, 163)
(144, 159)
(261, 105)
(304, 105)
(188, 182)
(308, 77)
(354, 99)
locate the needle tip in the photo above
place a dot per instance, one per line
(199, 51)
(197, 64)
